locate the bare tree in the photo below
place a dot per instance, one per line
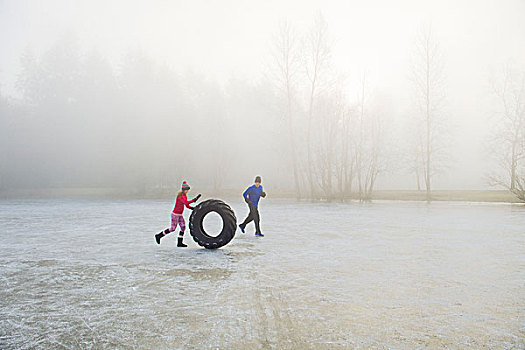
(369, 144)
(361, 138)
(414, 155)
(4, 126)
(347, 165)
(286, 58)
(427, 78)
(328, 126)
(509, 132)
(344, 165)
(317, 56)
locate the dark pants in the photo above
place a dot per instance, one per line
(252, 216)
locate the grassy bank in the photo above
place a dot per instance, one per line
(122, 193)
(465, 196)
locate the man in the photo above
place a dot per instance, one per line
(252, 196)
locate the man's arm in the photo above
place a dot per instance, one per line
(245, 194)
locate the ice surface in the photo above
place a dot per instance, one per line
(88, 274)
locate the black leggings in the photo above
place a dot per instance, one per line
(252, 216)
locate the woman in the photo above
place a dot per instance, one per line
(176, 215)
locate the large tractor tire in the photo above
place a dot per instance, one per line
(229, 224)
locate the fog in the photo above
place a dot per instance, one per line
(320, 98)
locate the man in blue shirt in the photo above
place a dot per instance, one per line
(252, 196)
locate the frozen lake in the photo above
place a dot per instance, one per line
(406, 275)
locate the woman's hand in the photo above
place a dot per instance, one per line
(196, 198)
(263, 194)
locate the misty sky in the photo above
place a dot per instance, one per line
(224, 39)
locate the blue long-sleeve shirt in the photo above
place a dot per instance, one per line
(253, 193)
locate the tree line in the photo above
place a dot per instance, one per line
(340, 145)
(80, 121)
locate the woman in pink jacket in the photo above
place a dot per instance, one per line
(176, 216)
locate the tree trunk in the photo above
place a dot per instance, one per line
(417, 179)
(309, 139)
(513, 164)
(427, 175)
(292, 142)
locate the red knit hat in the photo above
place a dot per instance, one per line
(185, 186)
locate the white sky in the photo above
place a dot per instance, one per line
(224, 38)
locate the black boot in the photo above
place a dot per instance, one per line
(180, 244)
(158, 236)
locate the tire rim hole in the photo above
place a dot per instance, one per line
(212, 224)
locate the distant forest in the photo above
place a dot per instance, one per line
(81, 121)
(84, 123)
